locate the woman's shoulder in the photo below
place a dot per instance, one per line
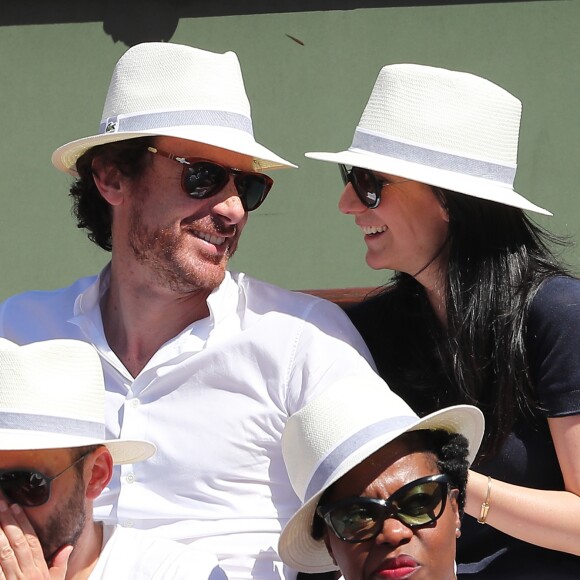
(556, 294)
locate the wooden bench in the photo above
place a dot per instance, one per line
(344, 297)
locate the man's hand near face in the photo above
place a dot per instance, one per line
(21, 555)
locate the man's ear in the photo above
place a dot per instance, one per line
(109, 180)
(100, 470)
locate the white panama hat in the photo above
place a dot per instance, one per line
(339, 430)
(447, 129)
(52, 396)
(173, 90)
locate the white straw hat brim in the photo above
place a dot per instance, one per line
(122, 450)
(461, 183)
(300, 551)
(65, 157)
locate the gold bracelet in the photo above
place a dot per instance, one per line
(485, 505)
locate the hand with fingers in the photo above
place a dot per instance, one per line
(21, 555)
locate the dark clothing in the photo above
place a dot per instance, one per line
(403, 343)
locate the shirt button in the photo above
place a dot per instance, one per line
(135, 403)
(130, 478)
(128, 524)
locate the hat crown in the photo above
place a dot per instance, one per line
(198, 79)
(444, 110)
(177, 91)
(320, 439)
(57, 378)
(52, 396)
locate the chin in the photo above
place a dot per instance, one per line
(377, 264)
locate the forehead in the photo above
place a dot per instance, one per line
(185, 148)
(387, 469)
(34, 458)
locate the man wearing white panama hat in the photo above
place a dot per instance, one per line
(54, 461)
(206, 363)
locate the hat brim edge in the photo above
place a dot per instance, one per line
(64, 158)
(461, 183)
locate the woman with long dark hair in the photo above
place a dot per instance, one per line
(479, 311)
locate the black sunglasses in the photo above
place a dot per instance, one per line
(416, 504)
(29, 488)
(201, 179)
(366, 184)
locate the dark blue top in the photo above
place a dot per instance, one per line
(527, 457)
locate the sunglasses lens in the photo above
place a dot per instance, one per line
(26, 488)
(203, 179)
(357, 522)
(364, 184)
(252, 189)
(422, 504)
(366, 187)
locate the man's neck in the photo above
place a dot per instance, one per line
(139, 319)
(86, 553)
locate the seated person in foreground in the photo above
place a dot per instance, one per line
(383, 490)
(54, 461)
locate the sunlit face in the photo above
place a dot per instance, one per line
(62, 519)
(424, 553)
(184, 243)
(407, 229)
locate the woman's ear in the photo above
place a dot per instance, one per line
(453, 495)
(100, 470)
(443, 211)
(326, 539)
(109, 180)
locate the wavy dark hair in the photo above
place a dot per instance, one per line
(497, 260)
(90, 209)
(450, 451)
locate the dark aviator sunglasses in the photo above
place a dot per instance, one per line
(201, 179)
(29, 488)
(367, 186)
(360, 519)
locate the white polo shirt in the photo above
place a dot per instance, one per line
(214, 400)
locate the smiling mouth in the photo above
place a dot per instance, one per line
(215, 240)
(371, 230)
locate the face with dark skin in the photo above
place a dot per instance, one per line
(423, 553)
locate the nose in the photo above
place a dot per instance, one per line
(349, 203)
(394, 533)
(228, 204)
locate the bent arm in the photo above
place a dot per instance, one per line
(550, 519)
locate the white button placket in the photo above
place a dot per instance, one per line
(132, 428)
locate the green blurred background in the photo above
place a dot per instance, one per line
(55, 69)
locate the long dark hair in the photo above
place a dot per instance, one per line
(497, 260)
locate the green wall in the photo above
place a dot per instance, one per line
(54, 79)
